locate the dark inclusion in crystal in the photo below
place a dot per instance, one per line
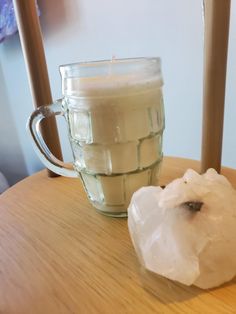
(193, 206)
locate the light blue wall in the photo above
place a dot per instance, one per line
(82, 30)
(12, 162)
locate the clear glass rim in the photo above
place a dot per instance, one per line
(76, 69)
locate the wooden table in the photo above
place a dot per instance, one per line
(58, 255)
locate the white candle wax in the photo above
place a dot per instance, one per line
(116, 122)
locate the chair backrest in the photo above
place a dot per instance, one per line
(33, 50)
(217, 16)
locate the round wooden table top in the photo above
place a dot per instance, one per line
(59, 255)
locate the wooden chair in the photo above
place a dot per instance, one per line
(58, 255)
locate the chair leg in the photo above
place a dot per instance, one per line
(32, 46)
(217, 17)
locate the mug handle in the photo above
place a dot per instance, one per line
(40, 147)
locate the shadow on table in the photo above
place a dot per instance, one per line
(168, 291)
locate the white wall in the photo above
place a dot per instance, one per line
(79, 30)
(12, 163)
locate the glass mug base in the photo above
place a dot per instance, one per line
(111, 195)
(110, 211)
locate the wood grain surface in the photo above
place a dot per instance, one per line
(58, 255)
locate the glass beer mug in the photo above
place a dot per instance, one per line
(115, 118)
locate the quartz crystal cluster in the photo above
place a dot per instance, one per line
(186, 232)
